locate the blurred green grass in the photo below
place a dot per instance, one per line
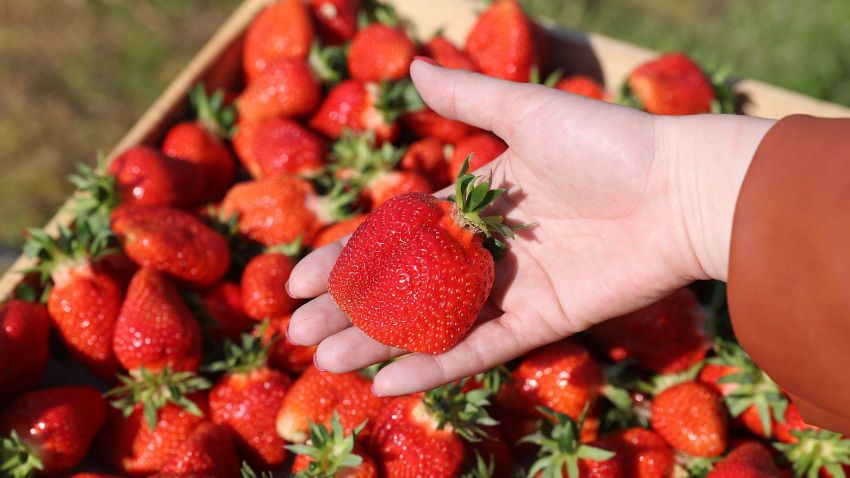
(76, 74)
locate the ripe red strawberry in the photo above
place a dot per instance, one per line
(284, 88)
(223, 305)
(428, 158)
(423, 434)
(785, 429)
(670, 85)
(748, 460)
(281, 209)
(200, 142)
(144, 176)
(283, 30)
(207, 452)
(426, 123)
(314, 397)
(447, 54)
(245, 400)
(155, 329)
(500, 42)
(691, 418)
(394, 183)
(337, 231)
(93, 475)
(24, 330)
(400, 276)
(85, 298)
(581, 85)
(664, 337)
(642, 452)
(278, 146)
(484, 147)
(332, 453)
(174, 242)
(561, 376)
(380, 52)
(264, 286)
(336, 19)
(49, 430)
(283, 354)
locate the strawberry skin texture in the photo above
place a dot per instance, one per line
(155, 329)
(426, 123)
(337, 231)
(24, 330)
(56, 424)
(174, 242)
(264, 286)
(190, 141)
(284, 88)
(672, 85)
(208, 452)
(393, 183)
(366, 469)
(500, 42)
(146, 177)
(406, 443)
(748, 460)
(84, 305)
(692, 418)
(246, 403)
(315, 395)
(336, 20)
(278, 146)
(428, 157)
(275, 210)
(223, 304)
(448, 55)
(350, 105)
(561, 376)
(282, 30)
(642, 453)
(485, 147)
(581, 85)
(379, 52)
(665, 337)
(283, 354)
(411, 276)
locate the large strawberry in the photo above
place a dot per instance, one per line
(85, 298)
(500, 42)
(223, 306)
(380, 52)
(24, 329)
(423, 434)
(416, 274)
(264, 285)
(664, 337)
(748, 460)
(49, 430)
(246, 399)
(672, 84)
(336, 19)
(155, 329)
(283, 30)
(484, 148)
(200, 141)
(641, 452)
(447, 54)
(278, 146)
(174, 242)
(146, 177)
(314, 397)
(284, 88)
(207, 452)
(691, 418)
(331, 453)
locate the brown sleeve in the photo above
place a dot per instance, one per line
(789, 265)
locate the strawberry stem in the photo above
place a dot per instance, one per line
(211, 112)
(156, 390)
(251, 353)
(466, 412)
(16, 459)
(331, 449)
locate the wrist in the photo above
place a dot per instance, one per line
(708, 156)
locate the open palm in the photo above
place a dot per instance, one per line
(611, 233)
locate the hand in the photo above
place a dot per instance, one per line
(627, 206)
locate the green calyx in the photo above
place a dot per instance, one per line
(155, 390)
(249, 354)
(211, 111)
(96, 196)
(620, 380)
(372, 11)
(292, 249)
(658, 383)
(16, 460)
(481, 468)
(248, 472)
(494, 378)
(69, 247)
(331, 449)
(395, 99)
(724, 94)
(754, 387)
(560, 446)
(465, 412)
(627, 97)
(358, 155)
(329, 62)
(551, 80)
(817, 450)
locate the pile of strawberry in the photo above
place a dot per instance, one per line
(160, 316)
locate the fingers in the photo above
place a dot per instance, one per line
(309, 278)
(316, 320)
(350, 350)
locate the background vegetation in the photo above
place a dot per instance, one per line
(77, 73)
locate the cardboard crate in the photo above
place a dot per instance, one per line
(219, 65)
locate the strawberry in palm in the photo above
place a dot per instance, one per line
(283, 30)
(278, 146)
(331, 452)
(500, 42)
(246, 398)
(85, 299)
(24, 331)
(48, 431)
(416, 273)
(691, 418)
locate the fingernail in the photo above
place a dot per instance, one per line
(376, 392)
(288, 292)
(427, 60)
(316, 363)
(286, 331)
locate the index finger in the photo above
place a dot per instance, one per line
(309, 277)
